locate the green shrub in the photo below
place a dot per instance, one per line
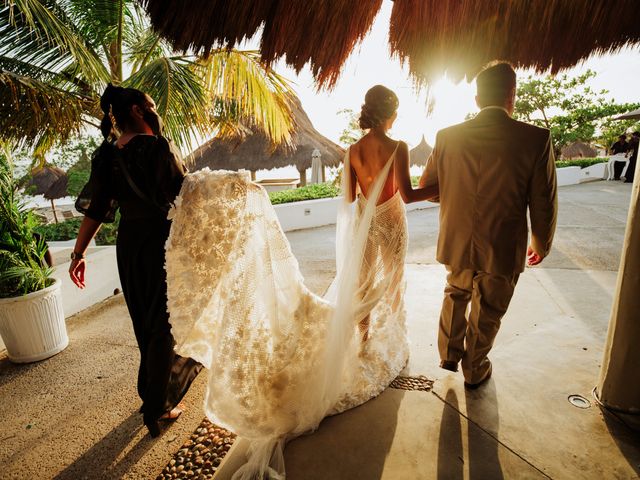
(59, 232)
(77, 181)
(78, 176)
(581, 162)
(68, 230)
(310, 192)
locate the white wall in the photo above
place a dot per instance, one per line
(318, 213)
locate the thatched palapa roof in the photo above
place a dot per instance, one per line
(49, 181)
(255, 152)
(419, 154)
(578, 150)
(431, 36)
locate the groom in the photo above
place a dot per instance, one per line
(489, 170)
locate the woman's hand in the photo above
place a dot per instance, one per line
(88, 229)
(76, 272)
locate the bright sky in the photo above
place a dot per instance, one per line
(370, 64)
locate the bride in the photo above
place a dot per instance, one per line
(279, 357)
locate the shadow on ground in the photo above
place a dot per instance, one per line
(106, 459)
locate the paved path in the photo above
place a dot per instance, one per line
(75, 415)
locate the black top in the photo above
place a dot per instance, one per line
(619, 147)
(154, 166)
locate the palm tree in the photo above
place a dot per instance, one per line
(56, 57)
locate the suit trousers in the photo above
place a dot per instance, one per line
(469, 336)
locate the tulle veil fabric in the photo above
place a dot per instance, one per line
(279, 357)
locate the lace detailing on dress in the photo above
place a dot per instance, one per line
(381, 290)
(280, 358)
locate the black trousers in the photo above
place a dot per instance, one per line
(163, 376)
(631, 171)
(617, 169)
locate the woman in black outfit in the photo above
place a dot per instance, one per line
(139, 172)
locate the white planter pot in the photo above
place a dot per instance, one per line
(32, 326)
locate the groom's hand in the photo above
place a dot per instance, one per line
(532, 257)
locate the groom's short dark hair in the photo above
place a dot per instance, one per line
(495, 83)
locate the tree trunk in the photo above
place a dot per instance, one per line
(253, 175)
(55, 215)
(303, 177)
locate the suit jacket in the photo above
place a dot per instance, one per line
(490, 170)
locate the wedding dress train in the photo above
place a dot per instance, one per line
(279, 357)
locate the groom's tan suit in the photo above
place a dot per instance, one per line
(489, 170)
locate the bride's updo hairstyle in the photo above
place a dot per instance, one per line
(380, 104)
(117, 102)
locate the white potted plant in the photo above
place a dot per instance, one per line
(32, 323)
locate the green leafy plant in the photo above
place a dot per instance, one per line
(571, 109)
(22, 266)
(68, 230)
(352, 132)
(310, 192)
(56, 57)
(582, 163)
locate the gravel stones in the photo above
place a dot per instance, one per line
(199, 457)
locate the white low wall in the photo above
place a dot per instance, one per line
(593, 173)
(318, 213)
(568, 176)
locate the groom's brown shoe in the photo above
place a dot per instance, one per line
(449, 365)
(474, 386)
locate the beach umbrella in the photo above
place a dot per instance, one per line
(632, 115)
(317, 170)
(50, 182)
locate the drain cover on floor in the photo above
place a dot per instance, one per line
(579, 401)
(412, 383)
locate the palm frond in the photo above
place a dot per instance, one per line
(96, 20)
(142, 43)
(180, 97)
(33, 112)
(41, 32)
(241, 86)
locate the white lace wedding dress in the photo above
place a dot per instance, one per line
(279, 357)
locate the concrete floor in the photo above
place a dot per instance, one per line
(74, 415)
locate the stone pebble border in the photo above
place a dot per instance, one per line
(200, 456)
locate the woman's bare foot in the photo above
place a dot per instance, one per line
(174, 413)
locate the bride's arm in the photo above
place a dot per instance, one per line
(403, 178)
(350, 181)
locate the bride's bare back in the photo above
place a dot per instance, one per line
(368, 157)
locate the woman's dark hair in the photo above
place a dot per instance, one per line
(117, 101)
(495, 83)
(380, 104)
